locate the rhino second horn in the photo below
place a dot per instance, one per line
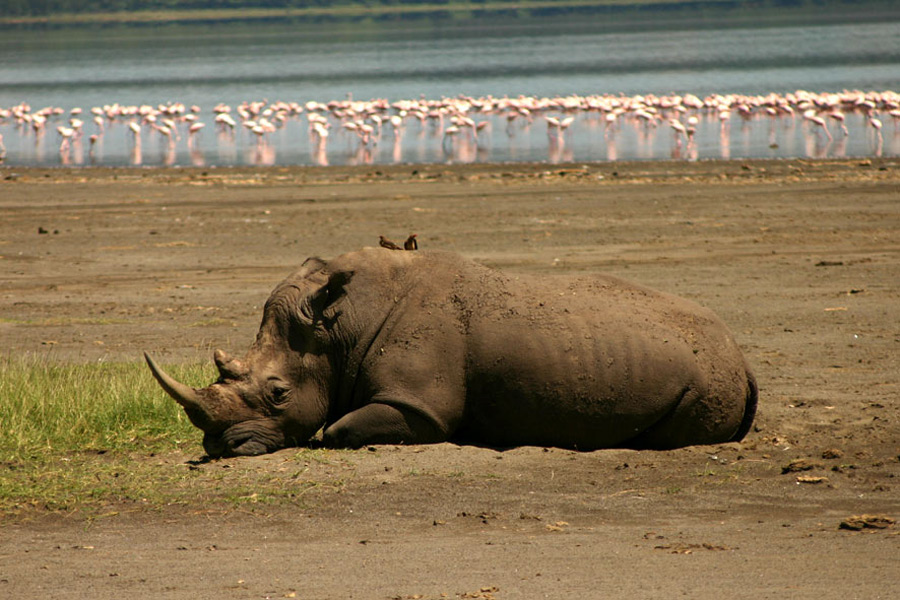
(229, 368)
(183, 394)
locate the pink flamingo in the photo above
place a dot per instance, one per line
(679, 129)
(895, 115)
(193, 130)
(811, 116)
(93, 142)
(876, 125)
(66, 134)
(396, 122)
(839, 117)
(450, 135)
(166, 131)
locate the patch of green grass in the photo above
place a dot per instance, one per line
(61, 321)
(212, 322)
(99, 438)
(91, 484)
(706, 472)
(88, 482)
(50, 409)
(82, 433)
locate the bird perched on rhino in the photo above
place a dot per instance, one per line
(411, 243)
(386, 243)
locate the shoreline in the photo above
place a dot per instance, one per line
(750, 170)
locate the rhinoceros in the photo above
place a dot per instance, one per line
(386, 347)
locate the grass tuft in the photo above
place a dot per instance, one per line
(51, 409)
(100, 438)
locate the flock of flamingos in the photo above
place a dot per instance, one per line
(462, 127)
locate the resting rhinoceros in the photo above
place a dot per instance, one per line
(386, 347)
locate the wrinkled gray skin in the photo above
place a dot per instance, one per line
(386, 347)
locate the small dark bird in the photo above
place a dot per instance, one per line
(411, 243)
(386, 243)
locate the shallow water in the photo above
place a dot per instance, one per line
(205, 65)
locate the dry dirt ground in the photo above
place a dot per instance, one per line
(800, 258)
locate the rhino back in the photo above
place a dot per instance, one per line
(585, 363)
(502, 360)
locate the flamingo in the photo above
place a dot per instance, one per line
(260, 133)
(895, 115)
(396, 122)
(610, 119)
(679, 129)
(365, 132)
(193, 131)
(225, 120)
(37, 124)
(876, 125)
(811, 116)
(645, 111)
(450, 134)
(320, 129)
(66, 134)
(839, 117)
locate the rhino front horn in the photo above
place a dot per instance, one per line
(183, 394)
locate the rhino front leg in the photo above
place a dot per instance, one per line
(384, 424)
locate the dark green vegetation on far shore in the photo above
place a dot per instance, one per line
(100, 12)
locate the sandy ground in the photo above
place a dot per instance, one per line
(800, 258)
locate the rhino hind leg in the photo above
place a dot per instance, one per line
(749, 409)
(383, 424)
(701, 417)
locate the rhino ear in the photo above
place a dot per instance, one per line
(312, 306)
(337, 281)
(333, 290)
(311, 265)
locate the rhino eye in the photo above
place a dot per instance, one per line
(280, 394)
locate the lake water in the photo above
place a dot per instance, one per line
(205, 65)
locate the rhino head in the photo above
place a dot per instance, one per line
(279, 394)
